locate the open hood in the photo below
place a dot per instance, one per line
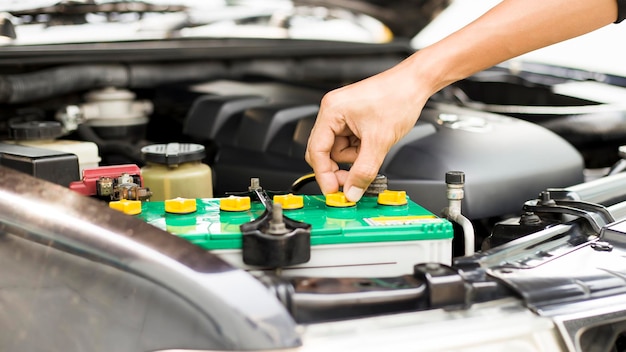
(405, 18)
(89, 21)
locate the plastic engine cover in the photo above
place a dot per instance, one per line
(506, 161)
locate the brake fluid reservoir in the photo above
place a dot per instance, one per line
(176, 170)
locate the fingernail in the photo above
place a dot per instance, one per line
(354, 194)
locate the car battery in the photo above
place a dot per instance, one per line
(361, 239)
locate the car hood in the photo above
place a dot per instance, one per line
(372, 21)
(405, 18)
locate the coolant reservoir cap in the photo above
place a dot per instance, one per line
(173, 153)
(35, 130)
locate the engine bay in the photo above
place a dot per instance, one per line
(156, 187)
(253, 116)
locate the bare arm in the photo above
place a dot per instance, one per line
(512, 28)
(359, 123)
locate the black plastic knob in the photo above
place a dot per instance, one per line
(263, 246)
(35, 130)
(455, 177)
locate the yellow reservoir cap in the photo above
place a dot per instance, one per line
(180, 205)
(338, 200)
(235, 203)
(128, 207)
(388, 197)
(289, 201)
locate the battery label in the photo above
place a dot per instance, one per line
(402, 220)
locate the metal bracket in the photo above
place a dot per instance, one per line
(596, 215)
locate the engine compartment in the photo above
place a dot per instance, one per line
(539, 149)
(253, 117)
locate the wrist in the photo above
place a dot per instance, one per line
(428, 73)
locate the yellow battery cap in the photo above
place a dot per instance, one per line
(388, 197)
(235, 203)
(128, 207)
(338, 200)
(289, 201)
(180, 205)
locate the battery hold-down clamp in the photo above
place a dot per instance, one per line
(274, 240)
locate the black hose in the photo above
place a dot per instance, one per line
(60, 80)
(33, 86)
(127, 150)
(151, 75)
(28, 87)
(316, 69)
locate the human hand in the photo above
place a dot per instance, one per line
(358, 124)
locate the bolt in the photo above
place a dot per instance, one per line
(602, 246)
(277, 226)
(545, 199)
(255, 184)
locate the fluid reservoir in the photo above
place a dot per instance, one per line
(176, 170)
(44, 134)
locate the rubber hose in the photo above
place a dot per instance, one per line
(27, 87)
(59, 80)
(33, 86)
(126, 149)
(151, 75)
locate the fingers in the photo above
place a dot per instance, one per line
(364, 170)
(351, 127)
(325, 170)
(330, 142)
(336, 138)
(320, 144)
(367, 159)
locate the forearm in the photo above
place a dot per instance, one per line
(511, 28)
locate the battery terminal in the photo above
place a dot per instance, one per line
(277, 225)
